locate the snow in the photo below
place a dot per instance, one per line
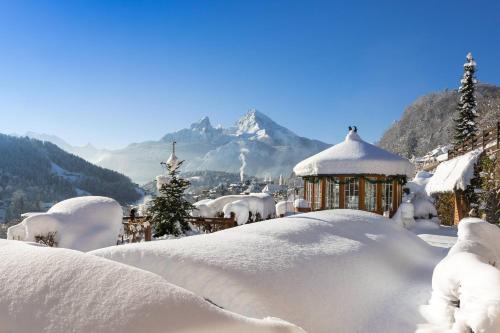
(453, 174)
(240, 210)
(53, 290)
(423, 205)
(284, 208)
(466, 283)
(258, 203)
(329, 271)
(301, 203)
(162, 180)
(82, 223)
(274, 188)
(354, 156)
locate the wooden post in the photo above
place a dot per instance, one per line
(361, 184)
(394, 196)
(379, 195)
(323, 191)
(147, 234)
(341, 192)
(498, 134)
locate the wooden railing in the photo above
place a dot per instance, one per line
(212, 224)
(489, 140)
(135, 229)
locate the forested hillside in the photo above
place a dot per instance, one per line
(428, 122)
(33, 172)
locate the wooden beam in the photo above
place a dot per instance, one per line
(379, 195)
(342, 192)
(323, 191)
(361, 192)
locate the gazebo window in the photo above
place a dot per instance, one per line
(332, 193)
(387, 196)
(352, 193)
(317, 194)
(370, 194)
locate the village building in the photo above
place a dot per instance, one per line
(354, 174)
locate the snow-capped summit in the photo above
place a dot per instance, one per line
(203, 125)
(257, 126)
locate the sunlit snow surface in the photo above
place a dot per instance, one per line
(329, 271)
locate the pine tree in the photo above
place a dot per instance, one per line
(170, 209)
(465, 122)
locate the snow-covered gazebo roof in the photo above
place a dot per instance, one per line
(354, 156)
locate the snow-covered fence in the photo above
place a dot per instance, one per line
(135, 229)
(212, 224)
(489, 140)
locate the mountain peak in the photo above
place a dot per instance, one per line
(203, 123)
(255, 122)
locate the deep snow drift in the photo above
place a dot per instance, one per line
(82, 223)
(466, 283)
(52, 290)
(328, 271)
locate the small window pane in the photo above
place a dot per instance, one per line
(352, 193)
(387, 196)
(332, 193)
(370, 194)
(317, 194)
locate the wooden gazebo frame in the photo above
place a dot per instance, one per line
(397, 182)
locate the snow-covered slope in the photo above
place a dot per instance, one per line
(329, 271)
(52, 290)
(204, 147)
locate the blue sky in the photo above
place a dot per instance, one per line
(115, 72)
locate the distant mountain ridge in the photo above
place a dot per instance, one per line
(32, 171)
(428, 122)
(267, 148)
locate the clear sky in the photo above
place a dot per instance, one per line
(115, 72)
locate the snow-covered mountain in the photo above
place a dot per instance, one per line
(267, 149)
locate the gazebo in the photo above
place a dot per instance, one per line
(356, 175)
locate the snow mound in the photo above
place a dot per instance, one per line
(329, 271)
(240, 210)
(83, 223)
(258, 203)
(301, 203)
(466, 283)
(45, 289)
(453, 174)
(284, 208)
(354, 156)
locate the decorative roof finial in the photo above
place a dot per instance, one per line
(355, 129)
(350, 128)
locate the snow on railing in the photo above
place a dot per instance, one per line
(489, 140)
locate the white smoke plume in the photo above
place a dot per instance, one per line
(243, 151)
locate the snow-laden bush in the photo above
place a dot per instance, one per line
(328, 271)
(466, 283)
(259, 204)
(404, 216)
(83, 223)
(423, 204)
(240, 210)
(284, 208)
(301, 203)
(53, 290)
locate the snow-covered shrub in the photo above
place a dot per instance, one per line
(240, 210)
(301, 203)
(259, 204)
(202, 210)
(83, 223)
(45, 289)
(466, 283)
(327, 271)
(404, 216)
(284, 208)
